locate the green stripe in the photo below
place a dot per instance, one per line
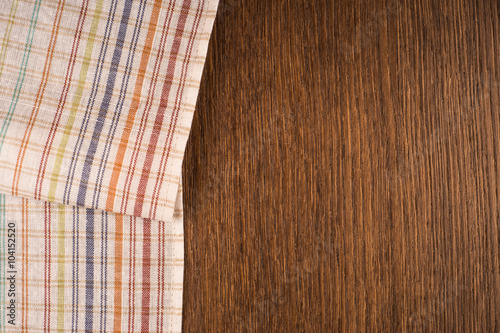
(60, 271)
(3, 131)
(76, 102)
(6, 36)
(22, 72)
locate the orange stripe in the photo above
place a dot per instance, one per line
(147, 107)
(118, 273)
(39, 97)
(146, 52)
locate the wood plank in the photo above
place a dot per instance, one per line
(343, 169)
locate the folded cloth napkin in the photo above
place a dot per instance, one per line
(96, 103)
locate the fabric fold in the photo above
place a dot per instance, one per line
(98, 98)
(96, 103)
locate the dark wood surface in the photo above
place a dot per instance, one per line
(343, 169)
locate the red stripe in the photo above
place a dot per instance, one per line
(118, 273)
(161, 266)
(180, 91)
(157, 127)
(62, 101)
(146, 272)
(147, 109)
(129, 123)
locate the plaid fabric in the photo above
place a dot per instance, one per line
(96, 103)
(77, 269)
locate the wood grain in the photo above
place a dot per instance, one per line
(343, 169)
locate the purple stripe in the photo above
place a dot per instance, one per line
(110, 84)
(119, 106)
(89, 271)
(104, 269)
(90, 104)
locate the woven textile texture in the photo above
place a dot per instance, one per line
(96, 103)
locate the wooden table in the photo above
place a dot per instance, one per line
(343, 169)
